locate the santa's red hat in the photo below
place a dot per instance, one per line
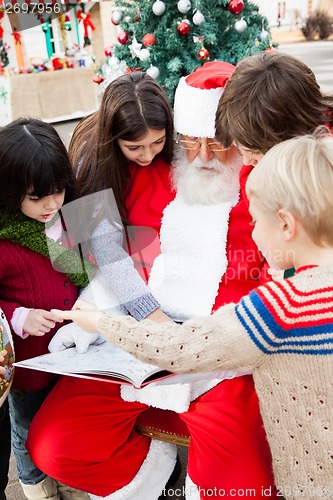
(197, 97)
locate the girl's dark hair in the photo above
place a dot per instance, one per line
(270, 97)
(33, 159)
(131, 104)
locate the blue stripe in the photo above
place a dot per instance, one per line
(258, 334)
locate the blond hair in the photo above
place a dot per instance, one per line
(297, 175)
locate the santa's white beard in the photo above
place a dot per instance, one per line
(206, 183)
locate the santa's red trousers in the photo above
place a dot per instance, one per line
(83, 436)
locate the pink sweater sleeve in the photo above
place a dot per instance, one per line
(18, 319)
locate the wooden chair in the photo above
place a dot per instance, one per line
(164, 425)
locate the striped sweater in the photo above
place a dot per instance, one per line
(283, 333)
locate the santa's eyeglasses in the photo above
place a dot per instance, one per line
(191, 144)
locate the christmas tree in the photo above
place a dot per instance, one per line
(169, 39)
(4, 61)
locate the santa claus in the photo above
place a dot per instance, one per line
(207, 259)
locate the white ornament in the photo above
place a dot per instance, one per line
(135, 48)
(184, 6)
(144, 54)
(263, 35)
(198, 18)
(113, 61)
(240, 26)
(153, 71)
(158, 8)
(186, 21)
(116, 16)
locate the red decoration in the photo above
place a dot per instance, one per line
(236, 6)
(98, 79)
(108, 51)
(149, 39)
(87, 23)
(57, 63)
(123, 37)
(183, 28)
(132, 70)
(203, 54)
(17, 38)
(1, 33)
(137, 18)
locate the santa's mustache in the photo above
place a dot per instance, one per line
(212, 164)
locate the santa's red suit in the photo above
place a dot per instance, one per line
(84, 434)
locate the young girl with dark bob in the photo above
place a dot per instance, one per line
(126, 147)
(38, 179)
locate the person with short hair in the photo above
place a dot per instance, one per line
(270, 97)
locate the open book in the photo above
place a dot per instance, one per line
(105, 362)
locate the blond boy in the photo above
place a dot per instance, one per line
(283, 331)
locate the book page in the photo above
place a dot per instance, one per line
(105, 359)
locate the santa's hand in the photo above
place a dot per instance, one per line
(72, 335)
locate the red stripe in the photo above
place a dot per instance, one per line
(294, 316)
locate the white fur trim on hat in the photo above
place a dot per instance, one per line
(195, 109)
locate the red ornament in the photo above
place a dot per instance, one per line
(108, 51)
(149, 39)
(203, 54)
(98, 79)
(183, 28)
(123, 37)
(236, 6)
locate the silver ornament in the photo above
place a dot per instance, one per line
(158, 8)
(184, 6)
(240, 26)
(263, 35)
(153, 71)
(116, 16)
(198, 18)
(143, 54)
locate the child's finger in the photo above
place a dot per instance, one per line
(61, 315)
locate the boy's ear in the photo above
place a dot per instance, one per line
(287, 224)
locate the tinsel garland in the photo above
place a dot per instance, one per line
(29, 233)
